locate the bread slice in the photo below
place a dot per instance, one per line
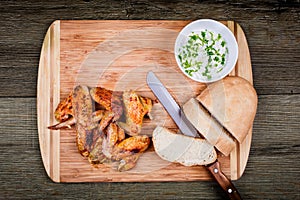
(182, 149)
(233, 102)
(213, 132)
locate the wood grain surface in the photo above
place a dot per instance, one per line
(117, 55)
(273, 33)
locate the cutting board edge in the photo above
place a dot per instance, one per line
(242, 150)
(53, 171)
(50, 64)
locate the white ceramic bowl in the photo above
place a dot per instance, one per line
(217, 28)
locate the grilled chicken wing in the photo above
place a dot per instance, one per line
(96, 117)
(136, 107)
(138, 143)
(129, 150)
(96, 155)
(104, 145)
(85, 125)
(114, 147)
(105, 141)
(110, 100)
(114, 135)
(64, 124)
(107, 99)
(64, 109)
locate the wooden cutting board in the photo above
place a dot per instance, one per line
(117, 55)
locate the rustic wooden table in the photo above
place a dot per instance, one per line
(273, 32)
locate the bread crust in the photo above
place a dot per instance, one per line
(182, 149)
(208, 127)
(233, 102)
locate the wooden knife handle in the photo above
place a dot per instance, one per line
(223, 180)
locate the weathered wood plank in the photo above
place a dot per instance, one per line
(272, 29)
(274, 156)
(273, 32)
(271, 171)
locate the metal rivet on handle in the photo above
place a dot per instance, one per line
(216, 170)
(229, 190)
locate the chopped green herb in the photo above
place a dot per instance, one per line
(210, 53)
(211, 36)
(209, 59)
(223, 43)
(203, 53)
(223, 61)
(180, 58)
(194, 37)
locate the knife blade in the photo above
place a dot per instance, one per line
(171, 106)
(185, 126)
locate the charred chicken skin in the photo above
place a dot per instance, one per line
(106, 99)
(136, 107)
(129, 150)
(111, 101)
(85, 125)
(113, 147)
(98, 136)
(64, 109)
(101, 153)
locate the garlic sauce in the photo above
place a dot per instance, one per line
(203, 55)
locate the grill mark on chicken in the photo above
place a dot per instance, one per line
(106, 99)
(115, 147)
(83, 110)
(96, 156)
(96, 117)
(136, 108)
(105, 141)
(111, 101)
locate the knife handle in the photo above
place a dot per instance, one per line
(223, 180)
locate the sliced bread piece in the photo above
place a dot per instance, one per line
(233, 102)
(209, 128)
(182, 149)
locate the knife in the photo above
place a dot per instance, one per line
(188, 129)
